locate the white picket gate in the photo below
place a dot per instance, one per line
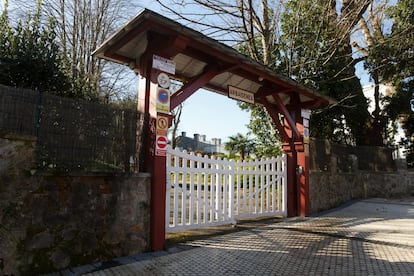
(204, 191)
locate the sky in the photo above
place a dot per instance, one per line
(213, 115)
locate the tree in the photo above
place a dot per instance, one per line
(266, 137)
(240, 144)
(30, 56)
(175, 123)
(371, 50)
(80, 27)
(397, 47)
(397, 56)
(316, 42)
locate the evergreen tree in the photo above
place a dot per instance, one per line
(317, 52)
(397, 53)
(30, 56)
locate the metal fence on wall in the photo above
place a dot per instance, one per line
(72, 135)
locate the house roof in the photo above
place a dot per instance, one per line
(195, 54)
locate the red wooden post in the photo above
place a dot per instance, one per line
(155, 165)
(291, 180)
(303, 181)
(158, 192)
(297, 170)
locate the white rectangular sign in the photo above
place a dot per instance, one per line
(305, 113)
(240, 94)
(163, 64)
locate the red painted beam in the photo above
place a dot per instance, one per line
(264, 92)
(271, 109)
(303, 183)
(286, 114)
(167, 47)
(291, 187)
(192, 86)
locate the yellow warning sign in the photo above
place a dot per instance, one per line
(162, 125)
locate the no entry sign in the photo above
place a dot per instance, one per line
(161, 143)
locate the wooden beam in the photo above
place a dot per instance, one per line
(288, 117)
(312, 104)
(193, 85)
(272, 110)
(267, 89)
(130, 35)
(167, 47)
(119, 58)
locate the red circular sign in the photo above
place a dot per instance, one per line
(161, 142)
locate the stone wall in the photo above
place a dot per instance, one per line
(51, 222)
(342, 173)
(329, 190)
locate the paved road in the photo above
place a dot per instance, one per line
(370, 237)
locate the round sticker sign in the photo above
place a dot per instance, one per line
(161, 142)
(163, 80)
(163, 96)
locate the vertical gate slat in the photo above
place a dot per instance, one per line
(218, 193)
(245, 187)
(283, 185)
(206, 189)
(212, 193)
(237, 171)
(268, 186)
(255, 192)
(183, 206)
(262, 181)
(176, 189)
(279, 184)
(274, 185)
(191, 195)
(168, 192)
(231, 192)
(225, 180)
(199, 191)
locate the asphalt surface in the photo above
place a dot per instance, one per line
(368, 237)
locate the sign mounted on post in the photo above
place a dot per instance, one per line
(163, 100)
(161, 143)
(305, 113)
(163, 64)
(240, 94)
(163, 80)
(162, 125)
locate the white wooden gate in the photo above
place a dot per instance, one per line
(204, 191)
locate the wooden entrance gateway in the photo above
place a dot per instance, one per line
(159, 49)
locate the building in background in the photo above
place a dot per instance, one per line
(199, 144)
